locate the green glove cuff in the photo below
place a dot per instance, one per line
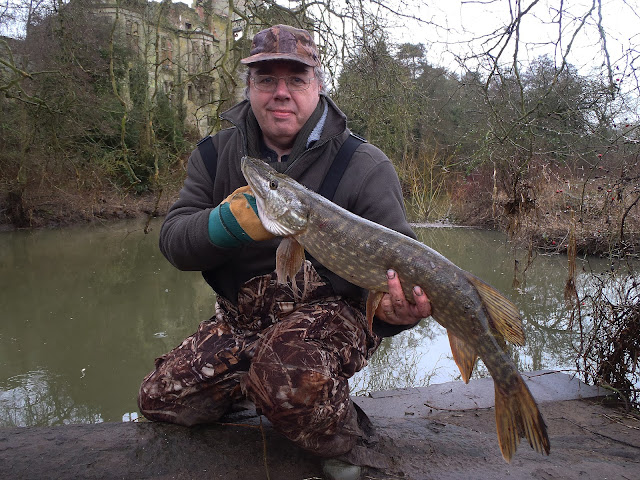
(224, 229)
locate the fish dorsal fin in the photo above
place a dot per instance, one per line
(289, 259)
(464, 355)
(504, 315)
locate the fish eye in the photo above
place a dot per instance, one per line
(273, 184)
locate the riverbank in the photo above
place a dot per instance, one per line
(68, 207)
(444, 431)
(600, 222)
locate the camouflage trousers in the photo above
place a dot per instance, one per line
(290, 349)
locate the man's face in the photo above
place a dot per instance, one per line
(282, 113)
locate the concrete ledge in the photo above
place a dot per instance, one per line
(588, 441)
(545, 386)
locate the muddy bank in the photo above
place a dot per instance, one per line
(56, 207)
(451, 437)
(47, 205)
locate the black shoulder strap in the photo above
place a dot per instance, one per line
(209, 155)
(339, 166)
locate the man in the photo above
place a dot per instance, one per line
(289, 351)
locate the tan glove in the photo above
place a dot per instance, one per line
(235, 221)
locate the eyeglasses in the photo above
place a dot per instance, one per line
(269, 83)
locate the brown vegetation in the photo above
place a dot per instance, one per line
(63, 199)
(600, 204)
(608, 320)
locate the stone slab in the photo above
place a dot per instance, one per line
(416, 442)
(545, 386)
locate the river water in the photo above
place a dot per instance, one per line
(85, 311)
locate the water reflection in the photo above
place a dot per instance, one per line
(41, 398)
(86, 310)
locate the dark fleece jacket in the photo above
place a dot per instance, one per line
(369, 188)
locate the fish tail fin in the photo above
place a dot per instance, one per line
(464, 355)
(504, 315)
(517, 416)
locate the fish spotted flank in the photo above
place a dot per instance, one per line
(479, 320)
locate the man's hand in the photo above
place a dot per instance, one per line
(394, 307)
(235, 221)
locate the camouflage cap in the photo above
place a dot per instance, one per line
(282, 42)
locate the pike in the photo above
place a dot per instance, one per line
(479, 320)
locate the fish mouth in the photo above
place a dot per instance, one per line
(259, 177)
(254, 175)
(255, 172)
(250, 172)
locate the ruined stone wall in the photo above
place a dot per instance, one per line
(184, 49)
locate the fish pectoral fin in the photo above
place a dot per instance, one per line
(504, 315)
(289, 259)
(373, 300)
(517, 416)
(464, 355)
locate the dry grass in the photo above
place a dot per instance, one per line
(423, 175)
(603, 210)
(606, 213)
(75, 197)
